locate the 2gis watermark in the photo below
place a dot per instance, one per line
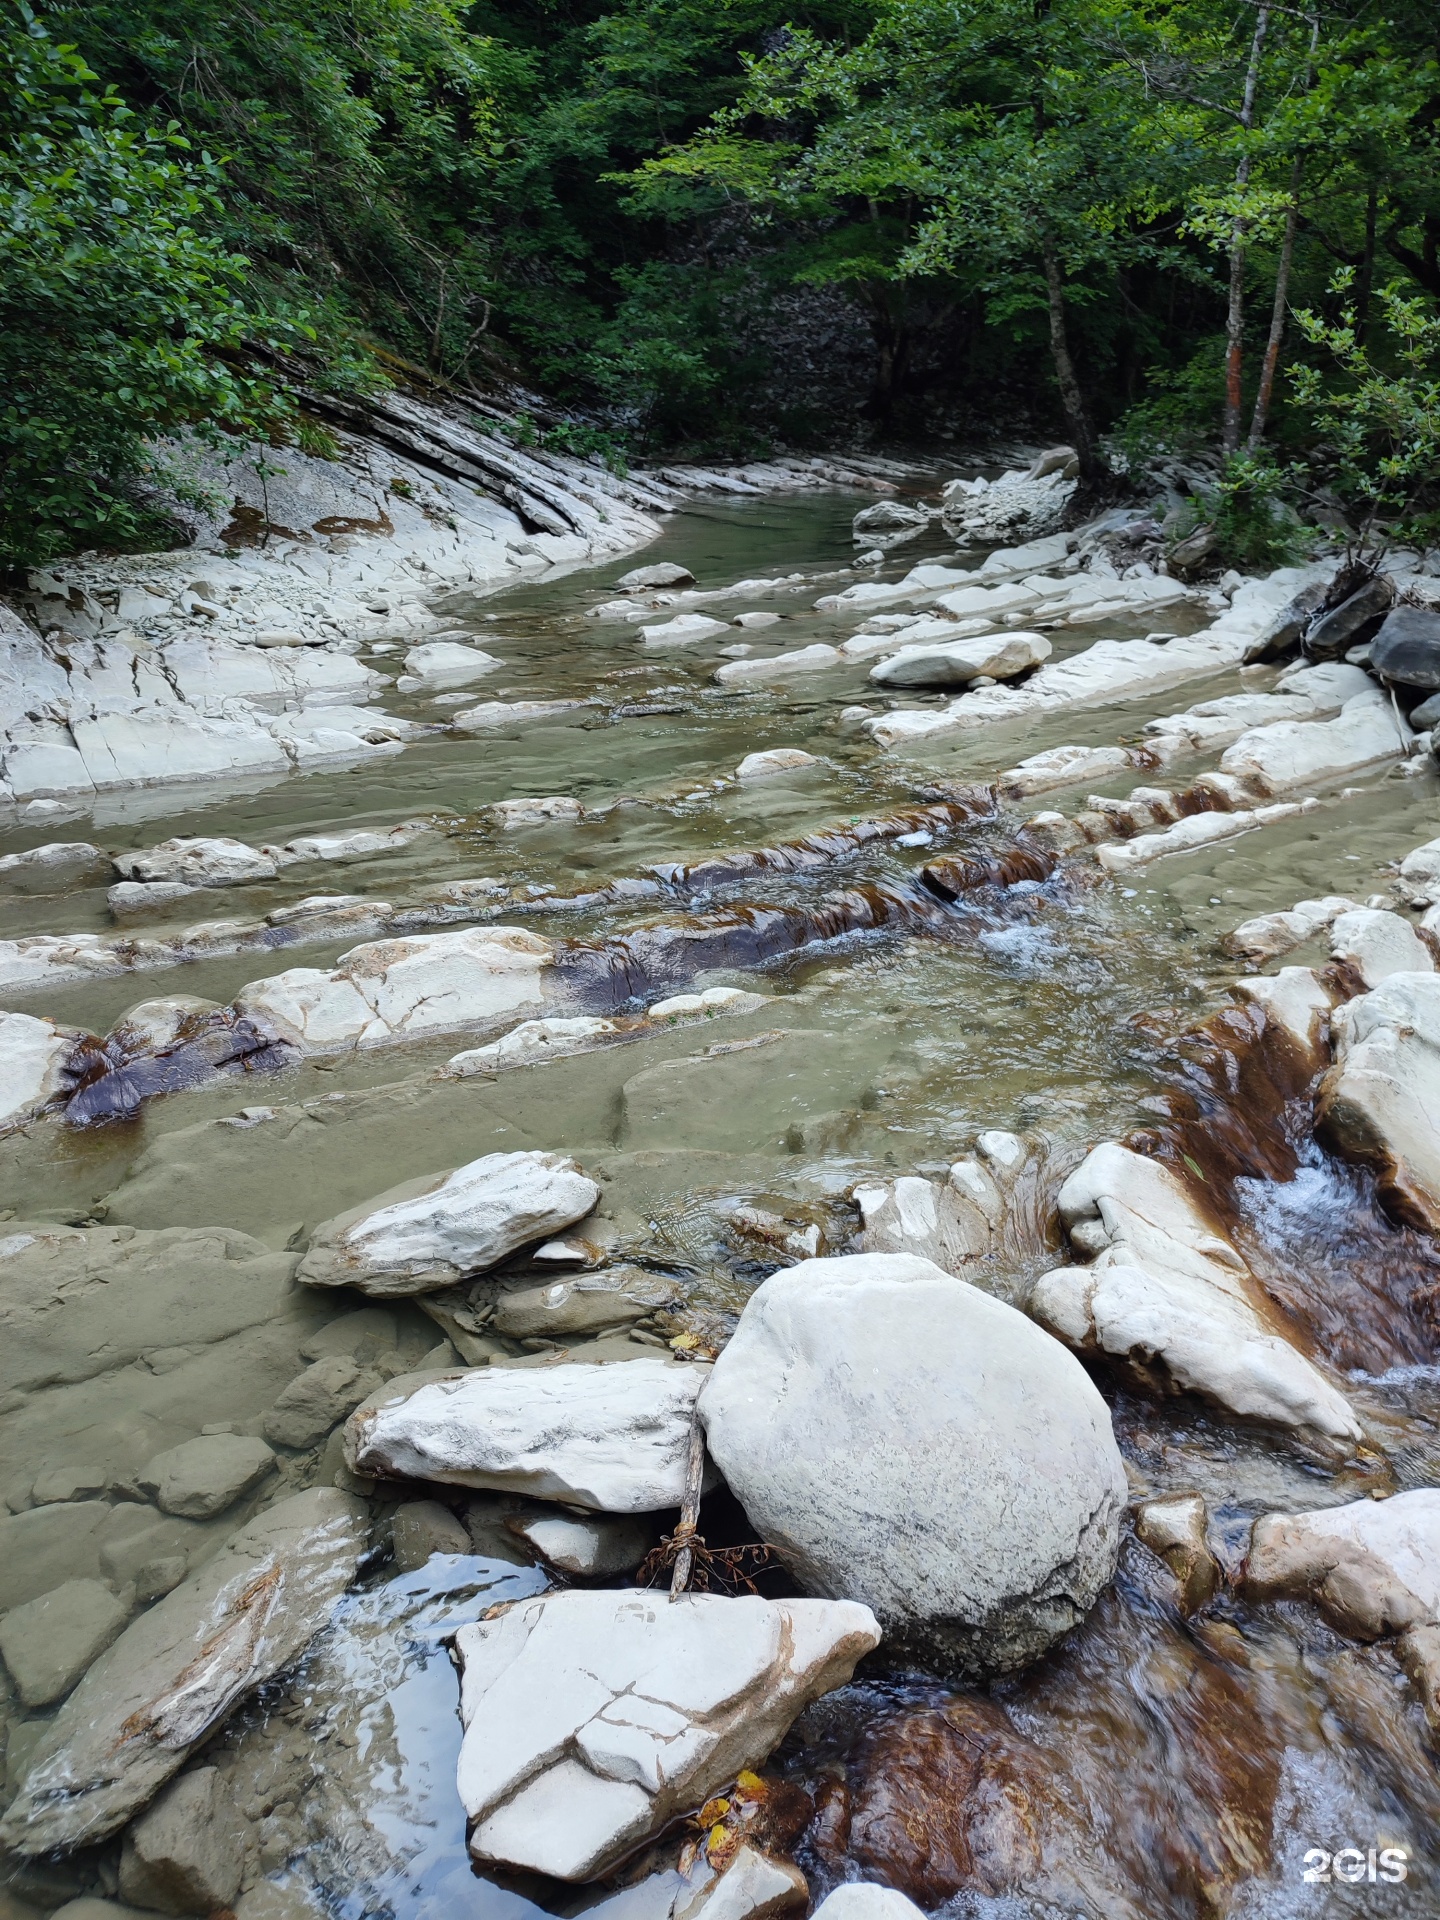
(1351, 1866)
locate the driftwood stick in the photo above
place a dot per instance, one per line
(690, 1508)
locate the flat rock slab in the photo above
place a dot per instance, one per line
(910, 1442)
(593, 1719)
(435, 1231)
(1380, 1103)
(177, 1672)
(1169, 1295)
(614, 1438)
(201, 1477)
(391, 990)
(48, 1643)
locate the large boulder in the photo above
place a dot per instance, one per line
(957, 662)
(1169, 1296)
(179, 1669)
(1407, 647)
(593, 1719)
(611, 1437)
(434, 1231)
(402, 989)
(906, 1440)
(1380, 1103)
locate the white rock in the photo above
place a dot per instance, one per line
(593, 1718)
(1373, 1567)
(614, 1437)
(504, 713)
(155, 745)
(1296, 753)
(445, 663)
(864, 1900)
(661, 573)
(434, 1231)
(988, 603)
(1295, 1003)
(759, 766)
(536, 813)
(1193, 830)
(753, 1886)
(1377, 944)
(1420, 874)
(713, 1000)
(759, 618)
(948, 1224)
(531, 1041)
(359, 844)
(32, 1053)
(1064, 767)
(60, 863)
(403, 989)
(1269, 935)
(586, 1549)
(177, 1671)
(1381, 1100)
(684, 630)
(136, 899)
(836, 1414)
(1171, 1297)
(812, 659)
(215, 862)
(957, 662)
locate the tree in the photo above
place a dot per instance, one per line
(121, 317)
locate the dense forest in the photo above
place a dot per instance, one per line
(722, 225)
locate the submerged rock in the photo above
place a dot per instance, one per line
(49, 1642)
(200, 1478)
(660, 573)
(812, 659)
(445, 663)
(179, 1669)
(611, 1437)
(187, 1853)
(759, 766)
(422, 1528)
(33, 1055)
(837, 1414)
(434, 1231)
(593, 1718)
(198, 863)
(1380, 1103)
(1293, 753)
(1170, 1296)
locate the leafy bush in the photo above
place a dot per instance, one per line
(121, 318)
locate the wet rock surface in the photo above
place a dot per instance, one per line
(783, 978)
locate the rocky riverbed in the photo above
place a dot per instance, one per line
(818, 961)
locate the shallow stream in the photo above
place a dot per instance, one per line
(1154, 1765)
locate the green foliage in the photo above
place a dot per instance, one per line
(1255, 526)
(1379, 421)
(120, 315)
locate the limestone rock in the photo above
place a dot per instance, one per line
(611, 1297)
(32, 1053)
(536, 813)
(433, 1231)
(760, 766)
(1420, 875)
(593, 1549)
(1296, 1005)
(863, 1900)
(315, 1401)
(217, 862)
(959, 662)
(1372, 1568)
(614, 1438)
(811, 659)
(421, 1528)
(1064, 767)
(1377, 944)
(1174, 1528)
(660, 573)
(445, 663)
(201, 1477)
(1269, 935)
(836, 1414)
(404, 989)
(178, 1670)
(1380, 1103)
(531, 1041)
(1294, 753)
(506, 713)
(1171, 1297)
(949, 1224)
(187, 1852)
(679, 1006)
(754, 1886)
(593, 1718)
(48, 1643)
(55, 867)
(685, 630)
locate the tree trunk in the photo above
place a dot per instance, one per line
(1277, 313)
(1366, 285)
(1235, 309)
(1070, 396)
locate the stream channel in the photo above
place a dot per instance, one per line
(1153, 1765)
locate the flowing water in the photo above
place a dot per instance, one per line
(1154, 1765)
